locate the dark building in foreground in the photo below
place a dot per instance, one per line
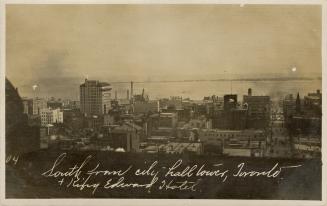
(20, 137)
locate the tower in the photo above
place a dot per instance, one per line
(132, 87)
(95, 97)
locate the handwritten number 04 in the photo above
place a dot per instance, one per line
(13, 159)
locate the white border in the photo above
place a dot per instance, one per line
(156, 202)
(243, 2)
(2, 101)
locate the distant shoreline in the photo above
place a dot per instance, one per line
(224, 79)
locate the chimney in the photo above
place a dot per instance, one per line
(115, 95)
(249, 92)
(127, 94)
(318, 91)
(132, 90)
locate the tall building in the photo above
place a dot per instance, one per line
(258, 110)
(38, 104)
(289, 107)
(232, 116)
(27, 106)
(230, 102)
(95, 97)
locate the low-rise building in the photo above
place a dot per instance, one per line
(226, 141)
(54, 104)
(108, 120)
(181, 147)
(313, 99)
(73, 118)
(167, 120)
(307, 147)
(146, 107)
(126, 136)
(174, 102)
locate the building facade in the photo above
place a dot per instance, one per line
(232, 116)
(95, 97)
(233, 142)
(51, 116)
(168, 120)
(38, 105)
(27, 106)
(126, 137)
(146, 107)
(259, 107)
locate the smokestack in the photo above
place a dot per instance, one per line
(127, 94)
(249, 92)
(115, 95)
(318, 91)
(143, 93)
(132, 90)
(132, 97)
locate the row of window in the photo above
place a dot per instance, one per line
(231, 135)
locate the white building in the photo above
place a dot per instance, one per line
(38, 105)
(95, 97)
(50, 116)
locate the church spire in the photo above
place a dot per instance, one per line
(298, 104)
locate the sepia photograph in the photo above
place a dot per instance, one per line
(202, 101)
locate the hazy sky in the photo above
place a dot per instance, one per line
(150, 41)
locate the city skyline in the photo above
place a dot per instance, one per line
(196, 90)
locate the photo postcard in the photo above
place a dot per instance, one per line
(163, 103)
